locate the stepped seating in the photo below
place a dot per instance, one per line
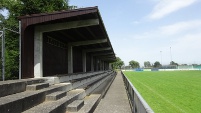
(16, 86)
(90, 103)
(75, 106)
(58, 106)
(71, 94)
(37, 86)
(55, 96)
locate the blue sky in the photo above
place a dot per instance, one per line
(145, 30)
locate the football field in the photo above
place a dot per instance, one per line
(169, 91)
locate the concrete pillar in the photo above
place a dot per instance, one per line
(84, 61)
(70, 59)
(103, 65)
(110, 66)
(97, 63)
(107, 66)
(38, 53)
(92, 63)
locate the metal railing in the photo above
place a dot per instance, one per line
(137, 103)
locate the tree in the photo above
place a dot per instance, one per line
(157, 64)
(18, 8)
(134, 64)
(195, 64)
(173, 63)
(147, 64)
(118, 64)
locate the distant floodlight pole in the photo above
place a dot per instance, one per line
(161, 57)
(170, 55)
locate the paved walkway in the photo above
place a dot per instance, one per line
(115, 100)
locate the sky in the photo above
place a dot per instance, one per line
(152, 30)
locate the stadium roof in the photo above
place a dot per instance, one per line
(85, 33)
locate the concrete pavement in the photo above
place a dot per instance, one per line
(115, 100)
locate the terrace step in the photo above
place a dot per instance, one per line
(19, 102)
(38, 86)
(75, 106)
(16, 86)
(103, 88)
(58, 106)
(90, 103)
(95, 84)
(71, 77)
(89, 80)
(55, 96)
(34, 80)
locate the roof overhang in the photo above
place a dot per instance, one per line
(82, 27)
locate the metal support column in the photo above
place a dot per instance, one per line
(2, 53)
(20, 76)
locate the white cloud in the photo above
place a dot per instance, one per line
(184, 38)
(165, 7)
(190, 41)
(187, 49)
(180, 28)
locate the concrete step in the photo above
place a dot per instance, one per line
(19, 102)
(68, 77)
(34, 80)
(16, 86)
(102, 89)
(58, 106)
(94, 85)
(75, 106)
(38, 86)
(87, 80)
(90, 103)
(55, 96)
(32, 100)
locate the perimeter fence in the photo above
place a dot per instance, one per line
(137, 103)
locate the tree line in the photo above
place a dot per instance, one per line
(118, 64)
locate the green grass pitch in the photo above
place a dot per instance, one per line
(169, 91)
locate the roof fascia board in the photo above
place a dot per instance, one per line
(85, 10)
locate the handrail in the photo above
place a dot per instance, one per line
(137, 103)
